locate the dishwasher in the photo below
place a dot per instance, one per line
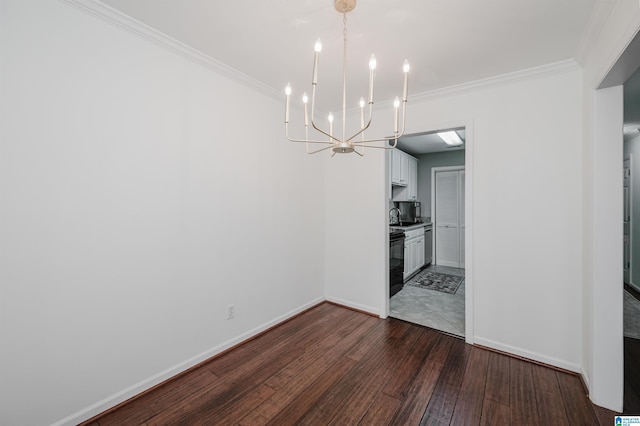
(428, 244)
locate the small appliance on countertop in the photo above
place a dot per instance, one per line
(409, 212)
(405, 213)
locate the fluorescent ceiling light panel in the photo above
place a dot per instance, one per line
(450, 138)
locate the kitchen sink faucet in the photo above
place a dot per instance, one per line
(391, 215)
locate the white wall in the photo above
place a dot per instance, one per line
(602, 171)
(140, 194)
(356, 212)
(527, 214)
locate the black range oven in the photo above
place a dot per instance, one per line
(396, 261)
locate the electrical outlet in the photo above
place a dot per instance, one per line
(231, 312)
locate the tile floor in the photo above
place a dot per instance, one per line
(445, 312)
(434, 309)
(631, 316)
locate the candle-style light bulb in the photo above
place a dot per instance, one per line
(372, 69)
(361, 103)
(405, 66)
(287, 91)
(372, 62)
(405, 89)
(316, 48)
(305, 100)
(330, 117)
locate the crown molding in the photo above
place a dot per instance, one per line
(599, 15)
(145, 32)
(548, 69)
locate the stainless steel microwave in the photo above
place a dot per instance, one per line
(410, 211)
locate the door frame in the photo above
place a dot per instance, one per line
(468, 125)
(435, 170)
(630, 214)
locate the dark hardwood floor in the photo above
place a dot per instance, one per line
(334, 366)
(631, 376)
(631, 369)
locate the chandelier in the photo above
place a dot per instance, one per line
(340, 143)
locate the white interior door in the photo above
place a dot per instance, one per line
(448, 210)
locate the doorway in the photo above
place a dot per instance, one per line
(631, 248)
(435, 294)
(605, 291)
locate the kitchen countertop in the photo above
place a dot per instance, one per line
(410, 227)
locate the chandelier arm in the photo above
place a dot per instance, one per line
(377, 147)
(313, 105)
(303, 140)
(395, 137)
(367, 142)
(404, 116)
(360, 131)
(314, 85)
(318, 150)
(310, 141)
(313, 123)
(363, 127)
(313, 108)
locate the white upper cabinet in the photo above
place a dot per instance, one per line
(412, 185)
(404, 176)
(398, 173)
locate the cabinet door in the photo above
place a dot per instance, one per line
(412, 183)
(404, 169)
(407, 259)
(419, 253)
(396, 167)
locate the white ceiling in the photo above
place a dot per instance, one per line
(448, 42)
(427, 143)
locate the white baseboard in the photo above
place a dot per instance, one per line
(356, 306)
(117, 398)
(585, 379)
(587, 382)
(534, 356)
(634, 286)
